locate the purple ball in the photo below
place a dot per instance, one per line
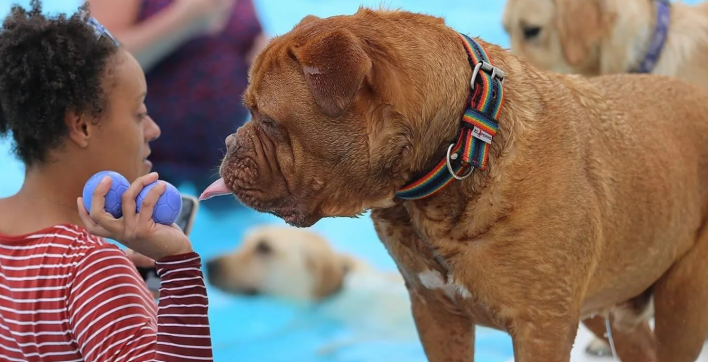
(119, 185)
(168, 206)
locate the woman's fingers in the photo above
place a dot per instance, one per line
(101, 223)
(137, 231)
(98, 214)
(148, 204)
(89, 224)
(131, 194)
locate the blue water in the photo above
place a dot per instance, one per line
(247, 329)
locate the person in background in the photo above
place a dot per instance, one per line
(196, 54)
(72, 99)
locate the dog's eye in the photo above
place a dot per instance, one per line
(531, 32)
(267, 122)
(263, 248)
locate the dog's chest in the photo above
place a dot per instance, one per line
(428, 275)
(444, 291)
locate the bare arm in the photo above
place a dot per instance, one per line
(153, 39)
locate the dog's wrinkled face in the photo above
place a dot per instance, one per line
(557, 35)
(313, 148)
(284, 262)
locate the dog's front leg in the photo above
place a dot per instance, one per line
(446, 336)
(544, 339)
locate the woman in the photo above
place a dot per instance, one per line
(73, 101)
(196, 54)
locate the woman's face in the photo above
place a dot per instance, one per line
(122, 137)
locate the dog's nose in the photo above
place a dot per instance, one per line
(212, 267)
(250, 291)
(230, 141)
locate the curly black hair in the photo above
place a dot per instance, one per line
(49, 66)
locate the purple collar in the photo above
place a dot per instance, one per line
(661, 29)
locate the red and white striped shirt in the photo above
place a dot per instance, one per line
(66, 295)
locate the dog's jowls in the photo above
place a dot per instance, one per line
(594, 200)
(594, 37)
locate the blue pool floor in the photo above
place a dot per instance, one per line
(246, 329)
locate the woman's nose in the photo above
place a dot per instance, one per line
(153, 131)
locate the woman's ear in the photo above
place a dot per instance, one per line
(80, 128)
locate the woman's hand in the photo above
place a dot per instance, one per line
(137, 231)
(213, 15)
(259, 43)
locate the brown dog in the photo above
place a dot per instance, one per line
(594, 37)
(590, 199)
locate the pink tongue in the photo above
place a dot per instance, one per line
(218, 188)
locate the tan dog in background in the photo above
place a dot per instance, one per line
(593, 204)
(300, 266)
(594, 37)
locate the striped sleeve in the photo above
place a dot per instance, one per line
(112, 314)
(183, 325)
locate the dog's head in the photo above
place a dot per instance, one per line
(284, 262)
(559, 35)
(327, 136)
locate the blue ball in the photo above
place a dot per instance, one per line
(168, 206)
(119, 185)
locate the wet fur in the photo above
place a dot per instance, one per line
(593, 196)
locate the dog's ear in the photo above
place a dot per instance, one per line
(306, 20)
(581, 24)
(334, 65)
(327, 274)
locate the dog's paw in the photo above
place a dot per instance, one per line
(599, 348)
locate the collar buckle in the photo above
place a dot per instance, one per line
(496, 72)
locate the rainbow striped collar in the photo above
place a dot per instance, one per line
(478, 127)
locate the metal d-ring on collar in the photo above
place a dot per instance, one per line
(497, 73)
(478, 126)
(452, 157)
